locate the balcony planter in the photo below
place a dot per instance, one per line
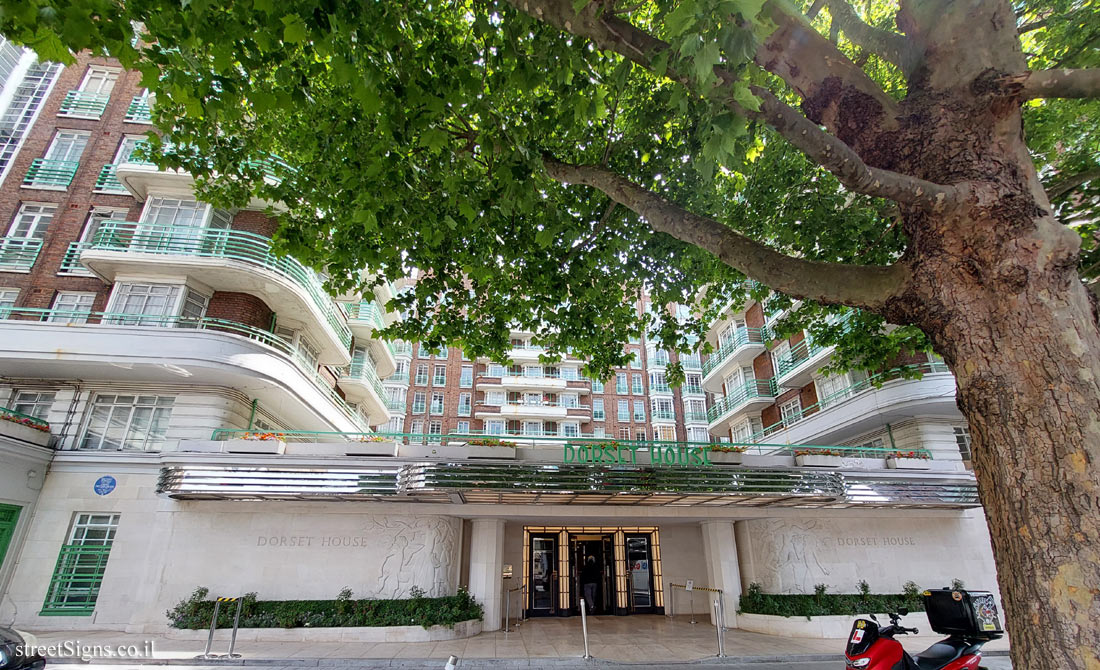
(346, 448)
(897, 463)
(456, 451)
(17, 431)
(242, 446)
(726, 457)
(819, 461)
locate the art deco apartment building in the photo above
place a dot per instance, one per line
(183, 408)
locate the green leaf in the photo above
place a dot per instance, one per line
(680, 19)
(294, 29)
(743, 95)
(705, 61)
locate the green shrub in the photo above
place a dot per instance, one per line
(820, 603)
(195, 611)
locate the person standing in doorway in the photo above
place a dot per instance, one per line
(590, 579)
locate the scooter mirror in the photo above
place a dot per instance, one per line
(903, 611)
(873, 618)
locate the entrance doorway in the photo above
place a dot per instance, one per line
(9, 516)
(620, 566)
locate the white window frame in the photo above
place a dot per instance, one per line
(33, 403)
(78, 310)
(466, 377)
(106, 75)
(437, 403)
(62, 136)
(598, 410)
(160, 415)
(495, 426)
(790, 412)
(36, 217)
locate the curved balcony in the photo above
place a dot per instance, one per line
(752, 396)
(555, 411)
(365, 320)
(76, 344)
(361, 385)
(745, 345)
(224, 260)
(796, 368)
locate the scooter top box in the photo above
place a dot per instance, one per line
(969, 614)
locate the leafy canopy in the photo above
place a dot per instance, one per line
(415, 133)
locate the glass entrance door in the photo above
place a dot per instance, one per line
(592, 569)
(543, 594)
(639, 565)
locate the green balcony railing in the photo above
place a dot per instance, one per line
(70, 262)
(84, 318)
(750, 390)
(138, 111)
(108, 180)
(79, 103)
(232, 244)
(24, 419)
(659, 387)
(398, 378)
(699, 417)
(799, 354)
(363, 371)
(691, 389)
(691, 362)
(50, 173)
(742, 337)
(663, 414)
(401, 348)
(367, 312)
(18, 254)
(396, 405)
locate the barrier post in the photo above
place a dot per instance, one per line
(691, 604)
(584, 628)
(718, 627)
(236, 623)
(507, 610)
(213, 625)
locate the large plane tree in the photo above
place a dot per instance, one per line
(929, 163)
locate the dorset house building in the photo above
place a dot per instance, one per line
(181, 407)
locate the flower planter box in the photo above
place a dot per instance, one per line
(349, 448)
(818, 627)
(819, 461)
(254, 447)
(18, 431)
(540, 454)
(727, 457)
(909, 463)
(462, 629)
(455, 451)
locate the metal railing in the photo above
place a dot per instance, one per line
(130, 236)
(365, 372)
(799, 354)
(750, 390)
(70, 262)
(108, 180)
(46, 172)
(367, 312)
(139, 111)
(18, 254)
(80, 103)
(742, 337)
(91, 319)
(24, 419)
(692, 389)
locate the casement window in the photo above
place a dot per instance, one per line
(791, 411)
(695, 410)
(623, 413)
(597, 386)
(126, 148)
(620, 383)
(781, 355)
(533, 428)
(745, 430)
(439, 376)
(8, 296)
(99, 80)
(691, 361)
(67, 145)
(395, 425)
(437, 403)
(464, 403)
(462, 428)
(733, 332)
(71, 307)
(658, 383)
(417, 429)
(419, 402)
(665, 433)
(78, 574)
(637, 388)
(435, 429)
(180, 213)
(569, 373)
(636, 362)
(570, 429)
(149, 304)
(466, 378)
(128, 422)
(662, 409)
(698, 434)
(494, 427)
(639, 411)
(400, 372)
(693, 384)
(395, 397)
(624, 434)
(658, 358)
(494, 370)
(599, 431)
(737, 380)
(597, 409)
(421, 374)
(31, 220)
(962, 438)
(495, 398)
(33, 403)
(532, 371)
(97, 217)
(569, 400)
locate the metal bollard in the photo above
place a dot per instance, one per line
(213, 626)
(507, 610)
(452, 663)
(691, 604)
(236, 623)
(584, 627)
(718, 627)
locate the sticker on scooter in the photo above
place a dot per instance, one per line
(857, 637)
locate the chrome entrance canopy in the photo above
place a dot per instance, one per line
(488, 482)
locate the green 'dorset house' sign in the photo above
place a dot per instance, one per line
(613, 453)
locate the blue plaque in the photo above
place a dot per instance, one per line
(105, 485)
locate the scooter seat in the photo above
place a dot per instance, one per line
(941, 653)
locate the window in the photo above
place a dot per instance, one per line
(695, 410)
(128, 422)
(310, 353)
(791, 411)
(33, 403)
(745, 430)
(639, 411)
(962, 438)
(569, 373)
(636, 362)
(665, 433)
(598, 432)
(421, 374)
(464, 401)
(439, 376)
(494, 427)
(25, 102)
(466, 379)
(395, 425)
(150, 300)
(495, 398)
(419, 402)
(624, 434)
(597, 386)
(417, 428)
(532, 428)
(495, 370)
(832, 389)
(658, 357)
(463, 428)
(636, 389)
(400, 372)
(78, 574)
(97, 217)
(693, 384)
(781, 355)
(597, 409)
(570, 429)
(658, 383)
(435, 428)
(569, 400)
(175, 212)
(623, 413)
(67, 145)
(126, 148)
(620, 382)
(71, 307)
(662, 408)
(395, 398)
(437, 403)
(99, 80)
(31, 221)
(698, 434)
(8, 296)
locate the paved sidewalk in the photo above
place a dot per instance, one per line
(635, 639)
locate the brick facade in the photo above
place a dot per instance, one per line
(241, 308)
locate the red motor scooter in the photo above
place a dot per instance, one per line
(968, 618)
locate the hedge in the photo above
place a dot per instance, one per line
(820, 603)
(195, 611)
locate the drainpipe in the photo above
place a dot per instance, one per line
(890, 433)
(252, 416)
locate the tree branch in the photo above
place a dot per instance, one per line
(1063, 83)
(865, 286)
(1063, 186)
(889, 46)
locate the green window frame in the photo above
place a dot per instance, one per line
(9, 518)
(81, 564)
